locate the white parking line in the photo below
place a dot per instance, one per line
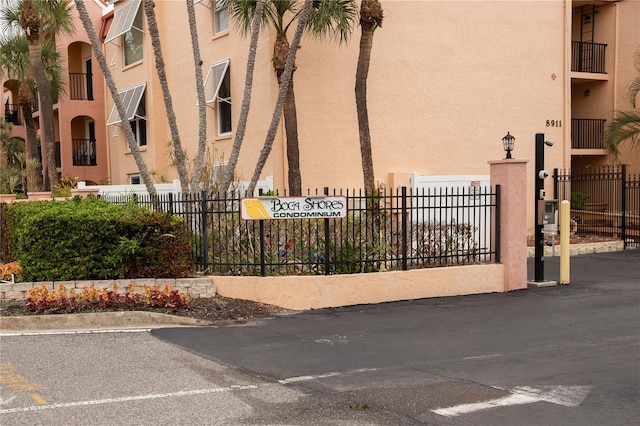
(128, 398)
(325, 375)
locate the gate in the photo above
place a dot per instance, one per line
(604, 201)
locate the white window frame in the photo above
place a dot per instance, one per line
(220, 18)
(222, 103)
(212, 84)
(135, 177)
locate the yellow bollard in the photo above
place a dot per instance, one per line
(565, 231)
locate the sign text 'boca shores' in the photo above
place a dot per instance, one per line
(293, 207)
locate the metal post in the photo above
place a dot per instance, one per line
(404, 229)
(327, 262)
(263, 266)
(623, 206)
(497, 225)
(539, 188)
(205, 239)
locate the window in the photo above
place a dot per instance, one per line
(127, 24)
(132, 42)
(133, 100)
(220, 18)
(224, 106)
(135, 179)
(139, 124)
(217, 88)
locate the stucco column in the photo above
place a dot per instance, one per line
(511, 175)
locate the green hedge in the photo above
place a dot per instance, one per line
(82, 239)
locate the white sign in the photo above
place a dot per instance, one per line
(293, 207)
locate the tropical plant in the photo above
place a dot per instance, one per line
(117, 100)
(202, 106)
(326, 18)
(287, 74)
(625, 126)
(371, 16)
(41, 22)
(246, 100)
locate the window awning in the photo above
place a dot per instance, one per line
(131, 100)
(214, 80)
(123, 20)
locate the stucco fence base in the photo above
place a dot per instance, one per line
(194, 287)
(314, 292)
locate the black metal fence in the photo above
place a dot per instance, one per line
(604, 201)
(394, 230)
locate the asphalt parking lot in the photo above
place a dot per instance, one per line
(555, 355)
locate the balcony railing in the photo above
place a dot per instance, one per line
(588, 57)
(80, 86)
(587, 133)
(84, 152)
(11, 113)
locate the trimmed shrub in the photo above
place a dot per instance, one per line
(82, 239)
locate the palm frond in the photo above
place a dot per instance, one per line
(333, 18)
(625, 127)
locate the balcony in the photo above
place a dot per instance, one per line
(588, 57)
(84, 152)
(11, 114)
(587, 133)
(80, 86)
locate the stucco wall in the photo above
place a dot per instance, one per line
(313, 292)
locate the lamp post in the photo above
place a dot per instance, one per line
(507, 143)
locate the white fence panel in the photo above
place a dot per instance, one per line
(454, 199)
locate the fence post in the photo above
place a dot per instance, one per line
(404, 228)
(498, 246)
(205, 238)
(624, 206)
(555, 184)
(327, 262)
(171, 203)
(263, 268)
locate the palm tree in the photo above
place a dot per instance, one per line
(41, 22)
(371, 16)
(178, 153)
(15, 64)
(333, 18)
(625, 125)
(117, 100)
(229, 170)
(287, 75)
(202, 106)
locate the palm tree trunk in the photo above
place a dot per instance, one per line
(282, 93)
(362, 72)
(131, 140)
(32, 142)
(46, 115)
(202, 105)
(229, 170)
(179, 157)
(293, 148)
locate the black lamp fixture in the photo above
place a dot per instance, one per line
(507, 143)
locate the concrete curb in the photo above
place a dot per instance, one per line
(93, 321)
(577, 249)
